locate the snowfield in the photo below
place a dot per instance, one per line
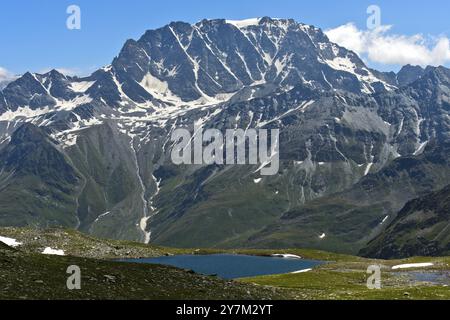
(10, 242)
(301, 271)
(286, 256)
(412, 265)
(53, 252)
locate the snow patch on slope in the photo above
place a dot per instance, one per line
(158, 88)
(10, 242)
(286, 256)
(412, 265)
(53, 252)
(302, 271)
(23, 112)
(345, 64)
(81, 86)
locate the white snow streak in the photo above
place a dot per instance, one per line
(53, 252)
(413, 265)
(10, 242)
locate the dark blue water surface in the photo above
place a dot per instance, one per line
(229, 266)
(439, 278)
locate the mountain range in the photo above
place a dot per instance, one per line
(420, 228)
(356, 144)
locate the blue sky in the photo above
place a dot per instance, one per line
(34, 36)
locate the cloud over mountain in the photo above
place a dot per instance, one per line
(5, 77)
(380, 46)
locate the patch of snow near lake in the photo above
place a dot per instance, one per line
(413, 265)
(53, 252)
(301, 271)
(10, 242)
(257, 180)
(286, 256)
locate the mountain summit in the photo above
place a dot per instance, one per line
(204, 63)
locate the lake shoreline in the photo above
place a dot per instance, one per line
(233, 266)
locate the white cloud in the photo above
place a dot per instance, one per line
(68, 71)
(65, 71)
(5, 77)
(79, 72)
(379, 46)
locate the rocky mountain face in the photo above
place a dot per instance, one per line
(408, 74)
(37, 181)
(355, 144)
(420, 229)
(347, 220)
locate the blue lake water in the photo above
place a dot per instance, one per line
(437, 278)
(229, 266)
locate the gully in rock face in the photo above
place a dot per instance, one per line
(235, 148)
